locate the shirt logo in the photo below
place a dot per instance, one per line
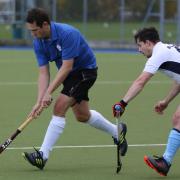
(58, 47)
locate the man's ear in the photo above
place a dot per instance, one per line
(45, 23)
(149, 43)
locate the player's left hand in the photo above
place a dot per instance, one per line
(47, 100)
(160, 107)
(119, 108)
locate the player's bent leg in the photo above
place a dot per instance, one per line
(81, 111)
(159, 164)
(54, 130)
(62, 104)
(163, 164)
(96, 120)
(56, 125)
(173, 143)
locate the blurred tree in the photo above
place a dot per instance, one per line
(139, 8)
(108, 10)
(171, 8)
(97, 9)
(70, 10)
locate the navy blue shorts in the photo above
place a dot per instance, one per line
(78, 83)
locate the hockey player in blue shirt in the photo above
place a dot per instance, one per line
(77, 71)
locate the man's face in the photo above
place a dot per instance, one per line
(145, 47)
(39, 32)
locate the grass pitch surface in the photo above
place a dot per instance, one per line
(83, 152)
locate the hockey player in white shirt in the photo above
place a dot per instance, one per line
(165, 58)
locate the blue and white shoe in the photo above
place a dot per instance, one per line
(35, 158)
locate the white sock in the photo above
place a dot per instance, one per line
(55, 129)
(98, 121)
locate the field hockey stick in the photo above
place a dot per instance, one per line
(16, 133)
(119, 163)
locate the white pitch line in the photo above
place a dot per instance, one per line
(130, 82)
(88, 146)
(98, 83)
(17, 83)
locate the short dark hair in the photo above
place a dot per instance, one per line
(37, 15)
(149, 33)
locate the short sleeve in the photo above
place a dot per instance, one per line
(155, 61)
(70, 45)
(150, 67)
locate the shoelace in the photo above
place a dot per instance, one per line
(158, 157)
(161, 159)
(37, 154)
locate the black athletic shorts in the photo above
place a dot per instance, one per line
(78, 83)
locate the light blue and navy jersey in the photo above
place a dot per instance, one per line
(65, 43)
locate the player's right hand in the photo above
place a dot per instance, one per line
(119, 108)
(36, 111)
(160, 107)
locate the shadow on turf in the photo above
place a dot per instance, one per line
(158, 177)
(79, 169)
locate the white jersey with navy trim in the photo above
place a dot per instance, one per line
(165, 58)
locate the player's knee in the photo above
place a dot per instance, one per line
(59, 109)
(82, 117)
(176, 119)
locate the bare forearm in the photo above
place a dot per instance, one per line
(173, 93)
(43, 83)
(137, 86)
(133, 91)
(60, 77)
